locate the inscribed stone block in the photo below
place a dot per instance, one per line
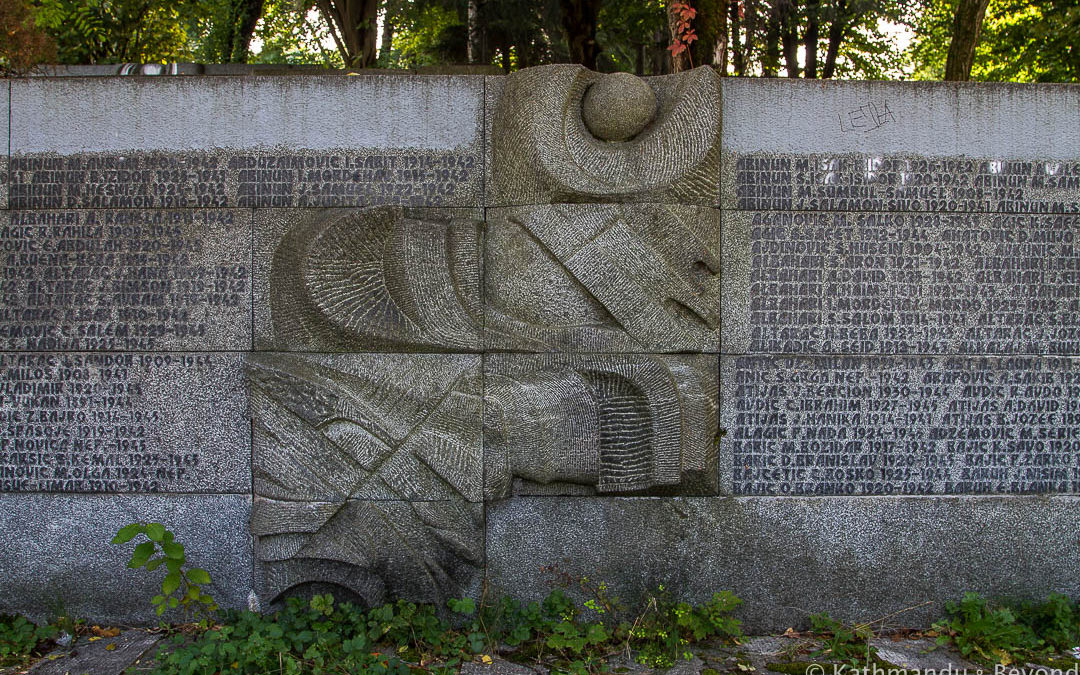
(247, 142)
(126, 280)
(900, 146)
(123, 422)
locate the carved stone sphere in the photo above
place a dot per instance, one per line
(618, 107)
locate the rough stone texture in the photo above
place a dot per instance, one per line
(592, 277)
(368, 473)
(5, 110)
(604, 424)
(367, 280)
(542, 152)
(901, 283)
(123, 422)
(497, 667)
(120, 115)
(366, 426)
(57, 556)
(126, 280)
(107, 656)
(618, 107)
(873, 425)
(855, 558)
(867, 226)
(922, 655)
(432, 112)
(273, 142)
(893, 146)
(369, 551)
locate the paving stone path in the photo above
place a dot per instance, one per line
(132, 652)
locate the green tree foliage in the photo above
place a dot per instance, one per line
(293, 35)
(814, 38)
(1021, 41)
(119, 31)
(23, 45)
(228, 29)
(423, 33)
(633, 36)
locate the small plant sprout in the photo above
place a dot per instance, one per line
(182, 586)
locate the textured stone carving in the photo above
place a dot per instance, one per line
(618, 107)
(603, 278)
(371, 426)
(543, 150)
(611, 424)
(370, 551)
(585, 277)
(366, 471)
(369, 469)
(382, 278)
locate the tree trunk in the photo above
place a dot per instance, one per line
(721, 51)
(683, 60)
(477, 46)
(738, 54)
(661, 63)
(770, 64)
(354, 27)
(248, 13)
(789, 35)
(386, 42)
(966, 27)
(579, 21)
(751, 19)
(810, 39)
(837, 29)
(710, 24)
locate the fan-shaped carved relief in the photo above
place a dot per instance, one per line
(378, 279)
(562, 133)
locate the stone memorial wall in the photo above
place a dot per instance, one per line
(418, 336)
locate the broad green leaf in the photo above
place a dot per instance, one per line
(141, 554)
(154, 564)
(127, 533)
(173, 550)
(171, 583)
(198, 575)
(156, 531)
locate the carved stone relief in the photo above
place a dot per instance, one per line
(371, 470)
(562, 133)
(599, 424)
(368, 471)
(641, 278)
(381, 279)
